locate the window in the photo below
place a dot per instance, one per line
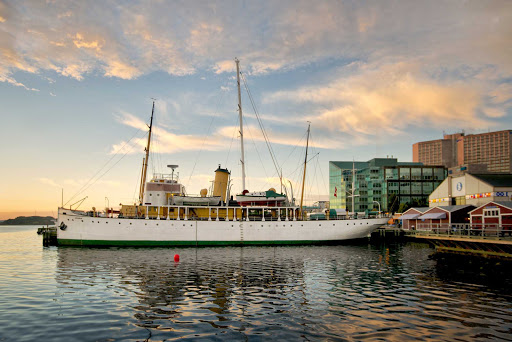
(491, 212)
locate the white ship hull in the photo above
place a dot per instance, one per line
(82, 230)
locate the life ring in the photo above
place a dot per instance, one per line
(62, 226)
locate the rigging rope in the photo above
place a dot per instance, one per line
(206, 136)
(265, 136)
(104, 165)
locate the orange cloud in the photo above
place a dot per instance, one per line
(389, 98)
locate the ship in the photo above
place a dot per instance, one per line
(166, 216)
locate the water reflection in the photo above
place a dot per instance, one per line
(390, 292)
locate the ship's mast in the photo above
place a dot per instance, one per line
(145, 161)
(353, 186)
(241, 122)
(304, 176)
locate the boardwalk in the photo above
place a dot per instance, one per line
(492, 241)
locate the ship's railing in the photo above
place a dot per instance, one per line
(227, 213)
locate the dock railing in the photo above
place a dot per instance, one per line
(462, 229)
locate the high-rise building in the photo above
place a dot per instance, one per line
(437, 152)
(492, 149)
(377, 179)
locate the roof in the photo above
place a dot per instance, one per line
(419, 209)
(409, 216)
(507, 204)
(433, 216)
(452, 208)
(495, 179)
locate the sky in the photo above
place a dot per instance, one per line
(77, 80)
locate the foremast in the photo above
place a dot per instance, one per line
(145, 160)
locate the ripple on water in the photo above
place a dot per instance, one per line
(353, 292)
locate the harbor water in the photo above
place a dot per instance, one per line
(347, 292)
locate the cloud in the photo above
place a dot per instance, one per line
(166, 141)
(388, 98)
(289, 139)
(411, 64)
(137, 38)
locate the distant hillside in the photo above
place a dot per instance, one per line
(29, 220)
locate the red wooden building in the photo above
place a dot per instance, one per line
(410, 216)
(493, 215)
(439, 218)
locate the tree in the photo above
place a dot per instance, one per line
(403, 207)
(393, 203)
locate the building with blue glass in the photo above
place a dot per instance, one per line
(377, 180)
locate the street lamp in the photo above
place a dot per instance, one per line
(378, 204)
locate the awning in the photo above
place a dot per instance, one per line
(432, 216)
(409, 216)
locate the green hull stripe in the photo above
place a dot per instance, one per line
(128, 243)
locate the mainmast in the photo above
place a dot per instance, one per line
(145, 161)
(304, 176)
(241, 122)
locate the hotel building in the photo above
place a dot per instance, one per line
(492, 149)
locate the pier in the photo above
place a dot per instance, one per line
(49, 235)
(489, 242)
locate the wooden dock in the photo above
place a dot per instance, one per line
(49, 235)
(495, 243)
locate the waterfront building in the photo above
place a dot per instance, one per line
(474, 189)
(492, 149)
(440, 219)
(491, 215)
(377, 180)
(410, 217)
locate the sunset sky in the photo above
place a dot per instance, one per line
(372, 77)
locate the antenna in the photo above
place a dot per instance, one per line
(172, 167)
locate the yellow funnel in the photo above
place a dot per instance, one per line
(221, 183)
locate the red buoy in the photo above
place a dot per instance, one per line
(176, 257)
